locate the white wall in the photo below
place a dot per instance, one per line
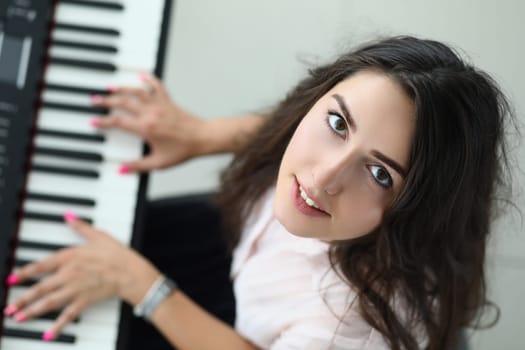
(231, 56)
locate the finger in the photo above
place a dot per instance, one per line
(83, 228)
(124, 102)
(24, 306)
(116, 121)
(68, 315)
(53, 300)
(139, 93)
(145, 164)
(33, 270)
(156, 85)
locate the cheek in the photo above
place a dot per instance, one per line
(361, 216)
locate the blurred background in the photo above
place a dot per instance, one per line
(232, 56)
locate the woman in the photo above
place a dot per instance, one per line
(360, 210)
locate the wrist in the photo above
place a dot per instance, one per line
(225, 135)
(138, 276)
(159, 291)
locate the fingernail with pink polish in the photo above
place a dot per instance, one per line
(12, 279)
(124, 170)
(112, 88)
(48, 336)
(144, 77)
(95, 122)
(70, 216)
(10, 310)
(20, 316)
(96, 99)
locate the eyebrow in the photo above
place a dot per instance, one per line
(392, 163)
(351, 122)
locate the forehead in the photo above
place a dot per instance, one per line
(382, 111)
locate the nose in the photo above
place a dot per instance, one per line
(332, 173)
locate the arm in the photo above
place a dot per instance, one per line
(104, 268)
(184, 323)
(226, 135)
(173, 133)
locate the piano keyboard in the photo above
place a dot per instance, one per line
(94, 45)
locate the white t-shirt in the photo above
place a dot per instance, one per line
(287, 294)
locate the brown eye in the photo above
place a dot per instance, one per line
(381, 176)
(337, 124)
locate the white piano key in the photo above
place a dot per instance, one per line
(99, 312)
(138, 44)
(117, 148)
(113, 215)
(39, 231)
(118, 208)
(32, 254)
(66, 97)
(102, 331)
(48, 232)
(103, 312)
(89, 55)
(66, 121)
(72, 163)
(109, 177)
(84, 37)
(83, 15)
(76, 76)
(111, 191)
(71, 186)
(9, 343)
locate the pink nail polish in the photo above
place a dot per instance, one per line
(10, 310)
(144, 77)
(95, 99)
(124, 170)
(20, 316)
(12, 279)
(70, 216)
(112, 88)
(48, 336)
(95, 122)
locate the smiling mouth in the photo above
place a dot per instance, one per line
(307, 199)
(304, 203)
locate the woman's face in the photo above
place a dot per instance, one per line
(346, 161)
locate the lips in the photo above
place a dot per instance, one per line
(301, 205)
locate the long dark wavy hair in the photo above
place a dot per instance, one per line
(430, 246)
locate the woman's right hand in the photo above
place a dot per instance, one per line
(173, 134)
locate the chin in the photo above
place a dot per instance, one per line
(292, 226)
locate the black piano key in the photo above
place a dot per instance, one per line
(108, 5)
(85, 46)
(72, 135)
(75, 108)
(25, 334)
(49, 316)
(95, 65)
(75, 89)
(65, 171)
(22, 262)
(87, 29)
(61, 199)
(40, 245)
(27, 283)
(62, 153)
(53, 315)
(50, 217)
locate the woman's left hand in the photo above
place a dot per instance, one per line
(80, 276)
